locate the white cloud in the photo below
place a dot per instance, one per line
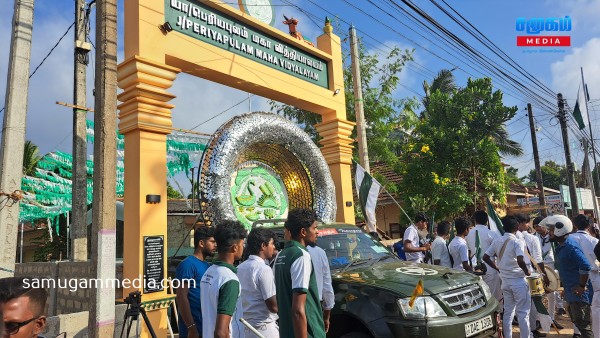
(566, 73)
(583, 12)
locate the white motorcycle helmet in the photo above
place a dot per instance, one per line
(561, 223)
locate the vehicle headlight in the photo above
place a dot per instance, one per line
(486, 291)
(423, 307)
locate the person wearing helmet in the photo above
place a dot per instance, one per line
(574, 270)
(583, 237)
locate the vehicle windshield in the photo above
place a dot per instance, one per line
(344, 246)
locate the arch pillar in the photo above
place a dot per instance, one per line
(145, 121)
(337, 150)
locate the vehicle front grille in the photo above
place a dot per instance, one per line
(464, 300)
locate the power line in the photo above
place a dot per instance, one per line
(47, 55)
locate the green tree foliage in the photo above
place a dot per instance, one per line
(443, 82)
(51, 249)
(512, 176)
(553, 174)
(31, 157)
(173, 194)
(453, 156)
(389, 120)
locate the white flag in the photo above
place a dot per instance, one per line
(367, 189)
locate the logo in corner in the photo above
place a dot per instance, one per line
(534, 26)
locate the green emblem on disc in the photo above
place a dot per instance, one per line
(257, 193)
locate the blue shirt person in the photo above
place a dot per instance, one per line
(572, 264)
(189, 274)
(574, 269)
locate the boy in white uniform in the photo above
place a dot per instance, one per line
(220, 288)
(486, 238)
(439, 248)
(533, 247)
(458, 247)
(509, 252)
(259, 301)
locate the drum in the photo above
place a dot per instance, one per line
(554, 280)
(536, 284)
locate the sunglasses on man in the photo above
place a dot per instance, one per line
(12, 328)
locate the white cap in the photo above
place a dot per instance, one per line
(561, 223)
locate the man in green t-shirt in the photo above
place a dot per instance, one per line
(220, 289)
(300, 313)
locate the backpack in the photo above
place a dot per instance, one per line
(399, 249)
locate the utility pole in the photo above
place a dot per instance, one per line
(587, 109)
(102, 314)
(363, 152)
(536, 159)
(589, 177)
(79, 194)
(13, 131)
(570, 168)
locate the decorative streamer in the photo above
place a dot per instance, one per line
(48, 194)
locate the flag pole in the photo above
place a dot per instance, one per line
(388, 193)
(585, 98)
(398, 204)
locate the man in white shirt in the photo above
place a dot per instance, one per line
(439, 248)
(318, 256)
(258, 297)
(486, 238)
(587, 243)
(415, 252)
(554, 299)
(533, 251)
(458, 246)
(509, 252)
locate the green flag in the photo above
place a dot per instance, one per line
(477, 246)
(494, 220)
(580, 111)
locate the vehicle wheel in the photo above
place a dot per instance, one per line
(356, 335)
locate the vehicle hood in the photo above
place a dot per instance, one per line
(402, 277)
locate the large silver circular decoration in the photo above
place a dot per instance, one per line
(258, 166)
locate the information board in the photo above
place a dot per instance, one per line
(154, 254)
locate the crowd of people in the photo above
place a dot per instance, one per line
(289, 292)
(271, 294)
(529, 248)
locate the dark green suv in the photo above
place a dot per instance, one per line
(373, 286)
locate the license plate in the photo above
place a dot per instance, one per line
(479, 325)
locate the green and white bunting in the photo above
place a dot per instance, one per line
(48, 194)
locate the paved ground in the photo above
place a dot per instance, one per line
(564, 333)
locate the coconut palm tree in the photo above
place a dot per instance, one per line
(443, 81)
(506, 146)
(31, 158)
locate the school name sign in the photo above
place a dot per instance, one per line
(201, 22)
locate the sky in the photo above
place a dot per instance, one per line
(380, 25)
